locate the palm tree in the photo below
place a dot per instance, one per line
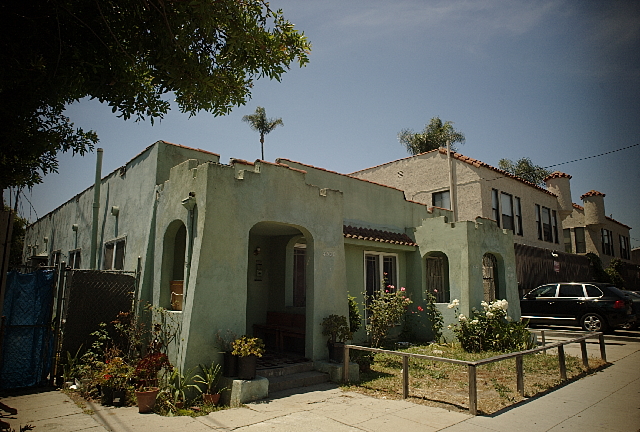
(259, 122)
(434, 135)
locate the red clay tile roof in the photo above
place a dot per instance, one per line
(579, 207)
(556, 174)
(592, 193)
(377, 235)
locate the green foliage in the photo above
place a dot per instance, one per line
(384, 311)
(17, 239)
(355, 318)
(614, 273)
(433, 136)
(246, 346)
(434, 316)
(136, 56)
(597, 271)
(176, 388)
(209, 377)
(525, 169)
(337, 328)
(260, 123)
(491, 329)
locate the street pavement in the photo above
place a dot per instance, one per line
(608, 400)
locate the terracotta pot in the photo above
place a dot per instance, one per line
(146, 400)
(247, 367)
(229, 365)
(211, 399)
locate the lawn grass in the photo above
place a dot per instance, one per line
(447, 385)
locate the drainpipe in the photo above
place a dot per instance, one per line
(96, 210)
(452, 191)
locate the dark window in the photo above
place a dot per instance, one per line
(437, 280)
(554, 225)
(495, 206)
(75, 259)
(567, 290)
(593, 291)
(389, 270)
(546, 225)
(543, 291)
(568, 247)
(518, 219)
(114, 255)
(441, 199)
(624, 247)
(507, 211)
(372, 282)
(607, 242)
(539, 222)
(581, 244)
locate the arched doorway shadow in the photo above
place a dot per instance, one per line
(280, 286)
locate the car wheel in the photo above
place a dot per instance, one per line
(592, 322)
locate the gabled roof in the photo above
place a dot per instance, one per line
(474, 162)
(377, 235)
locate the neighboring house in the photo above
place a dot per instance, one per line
(245, 239)
(538, 217)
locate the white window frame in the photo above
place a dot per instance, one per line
(114, 242)
(380, 256)
(73, 264)
(442, 195)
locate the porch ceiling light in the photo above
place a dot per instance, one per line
(257, 251)
(189, 202)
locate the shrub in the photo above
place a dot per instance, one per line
(355, 319)
(491, 329)
(385, 310)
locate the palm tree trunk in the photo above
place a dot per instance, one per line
(262, 144)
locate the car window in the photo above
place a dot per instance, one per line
(543, 291)
(570, 290)
(593, 291)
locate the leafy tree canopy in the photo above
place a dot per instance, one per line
(129, 54)
(433, 136)
(525, 169)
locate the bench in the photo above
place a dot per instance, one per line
(281, 326)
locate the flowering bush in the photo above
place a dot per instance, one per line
(148, 367)
(490, 329)
(385, 310)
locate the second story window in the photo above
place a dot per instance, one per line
(495, 206)
(518, 218)
(441, 199)
(547, 222)
(568, 246)
(624, 247)
(607, 242)
(581, 244)
(507, 211)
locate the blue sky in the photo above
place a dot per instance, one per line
(551, 80)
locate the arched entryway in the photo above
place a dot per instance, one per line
(490, 277)
(173, 265)
(279, 282)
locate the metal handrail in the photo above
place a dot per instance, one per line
(472, 365)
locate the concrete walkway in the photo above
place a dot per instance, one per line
(606, 401)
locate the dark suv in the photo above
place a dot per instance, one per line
(592, 306)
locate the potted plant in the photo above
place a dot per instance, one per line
(337, 328)
(114, 380)
(209, 380)
(248, 350)
(230, 361)
(146, 375)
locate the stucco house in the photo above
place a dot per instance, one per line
(247, 238)
(544, 218)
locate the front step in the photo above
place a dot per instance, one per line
(295, 380)
(283, 370)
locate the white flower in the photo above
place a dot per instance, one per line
(475, 321)
(438, 352)
(454, 303)
(462, 317)
(489, 314)
(451, 306)
(450, 327)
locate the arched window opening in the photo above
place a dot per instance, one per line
(490, 277)
(177, 270)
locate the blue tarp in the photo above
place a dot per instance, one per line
(27, 344)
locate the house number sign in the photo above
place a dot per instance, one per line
(329, 254)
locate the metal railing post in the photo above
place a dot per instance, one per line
(603, 353)
(405, 377)
(473, 391)
(563, 365)
(520, 375)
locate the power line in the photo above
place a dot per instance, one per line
(590, 157)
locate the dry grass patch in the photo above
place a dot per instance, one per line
(447, 385)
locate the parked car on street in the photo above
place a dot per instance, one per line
(635, 298)
(592, 306)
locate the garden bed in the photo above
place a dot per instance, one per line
(446, 385)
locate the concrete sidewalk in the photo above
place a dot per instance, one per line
(606, 401)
